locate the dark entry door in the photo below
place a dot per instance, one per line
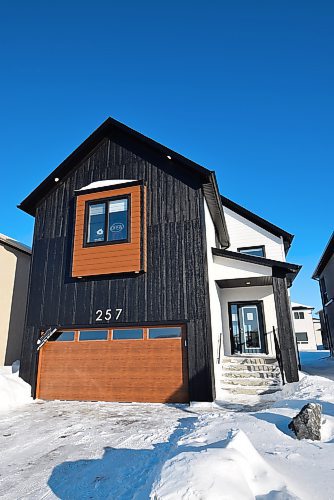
(246, 328)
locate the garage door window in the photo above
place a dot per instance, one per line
(93, 335)
(164, 333)
(62, 337)
(130, 334)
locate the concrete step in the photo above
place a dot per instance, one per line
(251, 382)
(249, 368)
(249, 360)
(251, 391)
(275, 374)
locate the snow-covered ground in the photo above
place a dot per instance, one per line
(73, 450)
(317, 363)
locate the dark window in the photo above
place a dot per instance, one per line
(299, 315)
(128, 334)
(302, 337)
(62, 337)
(164, 333)
(118, 220)
(256, 251)
(108, 221)
(93, 335)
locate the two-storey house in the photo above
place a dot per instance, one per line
(145, 282)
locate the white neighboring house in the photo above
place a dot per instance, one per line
(304, 327)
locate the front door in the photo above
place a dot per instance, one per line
(246, 328)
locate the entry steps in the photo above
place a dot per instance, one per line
(250, 375)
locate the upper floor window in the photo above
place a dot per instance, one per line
(107, 221)
(299, 315)
(256, 251)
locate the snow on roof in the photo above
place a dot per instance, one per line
(6, 240)
(110, 182)
(295, 305)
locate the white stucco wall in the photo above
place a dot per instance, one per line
(305, 325)
(244, 233)
(263, 293)
(317, 331)
(215, 309)
(224, 268)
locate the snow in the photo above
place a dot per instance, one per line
(73, 450)
(14, 392)
(317, 363)
(106, 183)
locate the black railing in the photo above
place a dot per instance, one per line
(278, 355)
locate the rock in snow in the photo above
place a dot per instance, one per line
(307, 424)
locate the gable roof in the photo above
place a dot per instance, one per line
(10, 242)
(328, 252)
(295, 305)
(112, 126)
(259, 221)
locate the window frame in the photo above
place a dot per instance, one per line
(253, 247)
(106, 200)
(297, 315)
(302, 341)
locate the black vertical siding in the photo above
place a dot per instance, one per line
(285, 328)
(174, 289)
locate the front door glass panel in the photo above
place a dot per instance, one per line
(250, 327)
(246, 327)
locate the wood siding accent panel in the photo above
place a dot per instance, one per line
(110, 258)
(114, 370)
(174, 288)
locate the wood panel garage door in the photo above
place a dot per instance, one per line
(125, 364)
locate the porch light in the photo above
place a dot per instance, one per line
(56, 179)
(169, 157)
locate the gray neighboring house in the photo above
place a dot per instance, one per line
(324, 273)
(14, 277)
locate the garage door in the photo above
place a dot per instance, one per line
(120, 364)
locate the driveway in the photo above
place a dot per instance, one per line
(74, 450)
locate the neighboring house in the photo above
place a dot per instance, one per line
(14, 276)
(147, 282)
(324, 330)
(304, 326)
(324, 273)
(318, 333)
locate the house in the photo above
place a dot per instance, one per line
(14, 266)
(324, 273)
(318, 333)
(146, 283)
(304, 326)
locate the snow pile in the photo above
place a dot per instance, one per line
(106, 183)
(14, 391)
(227, 469)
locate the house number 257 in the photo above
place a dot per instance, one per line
(108, 314)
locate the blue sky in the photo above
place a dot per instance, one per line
(242, 87)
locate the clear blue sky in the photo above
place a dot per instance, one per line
(242, 87)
